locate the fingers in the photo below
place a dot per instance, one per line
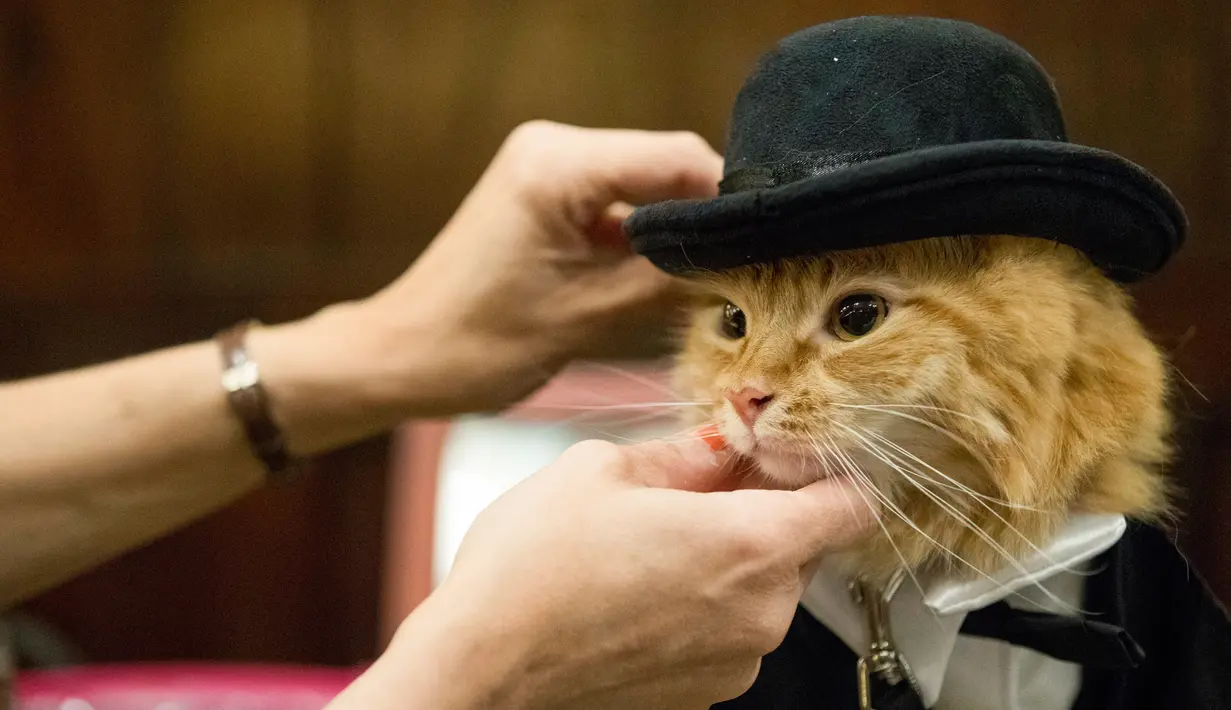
(825, 515)
(801, 525)
(691, 465)
(607, 231)
(615, 165)
(687, 465)
(822, 516)
(641, 166)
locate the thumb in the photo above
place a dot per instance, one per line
(828, 514)
(697, 464)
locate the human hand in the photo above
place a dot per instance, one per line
(534, 270)
(615, 578)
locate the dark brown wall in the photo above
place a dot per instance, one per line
(167, 168)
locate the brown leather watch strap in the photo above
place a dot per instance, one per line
(250, 402)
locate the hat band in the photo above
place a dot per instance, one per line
(800, 167)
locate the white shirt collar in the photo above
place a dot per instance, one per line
(925, 622)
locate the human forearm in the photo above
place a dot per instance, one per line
(101, 459)
(98, 460)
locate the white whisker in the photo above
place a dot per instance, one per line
(989, 509)
(955, 484)
(862, 482)
(966, 445)
(613, 407)
(956, 514)
(927, 407)
(633, 377)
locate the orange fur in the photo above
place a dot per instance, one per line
(1060, 397)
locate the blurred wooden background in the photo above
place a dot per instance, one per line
(169, 167)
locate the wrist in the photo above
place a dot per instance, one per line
(326, 383)
(449, 656)
(356, 369)
(450, 354)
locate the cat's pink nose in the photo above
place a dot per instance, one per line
(748, 402)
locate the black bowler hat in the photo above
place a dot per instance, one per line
(874, 130)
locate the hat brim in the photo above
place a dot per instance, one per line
(1126, 221)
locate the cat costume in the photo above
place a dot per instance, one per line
(872, 131)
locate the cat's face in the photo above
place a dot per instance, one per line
(979, 388)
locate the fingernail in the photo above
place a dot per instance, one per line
(712, 438)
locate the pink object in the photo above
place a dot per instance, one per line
(182, 686)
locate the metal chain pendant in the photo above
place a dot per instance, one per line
(885, 679)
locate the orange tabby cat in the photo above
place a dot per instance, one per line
(980, 388)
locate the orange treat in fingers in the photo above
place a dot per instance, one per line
(713, 438)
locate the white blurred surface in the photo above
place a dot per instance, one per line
(484, 456)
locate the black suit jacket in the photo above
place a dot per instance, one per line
(1144, 585)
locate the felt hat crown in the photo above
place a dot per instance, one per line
(873, 130)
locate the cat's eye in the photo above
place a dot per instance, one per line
(858, 314)
(733, 325)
